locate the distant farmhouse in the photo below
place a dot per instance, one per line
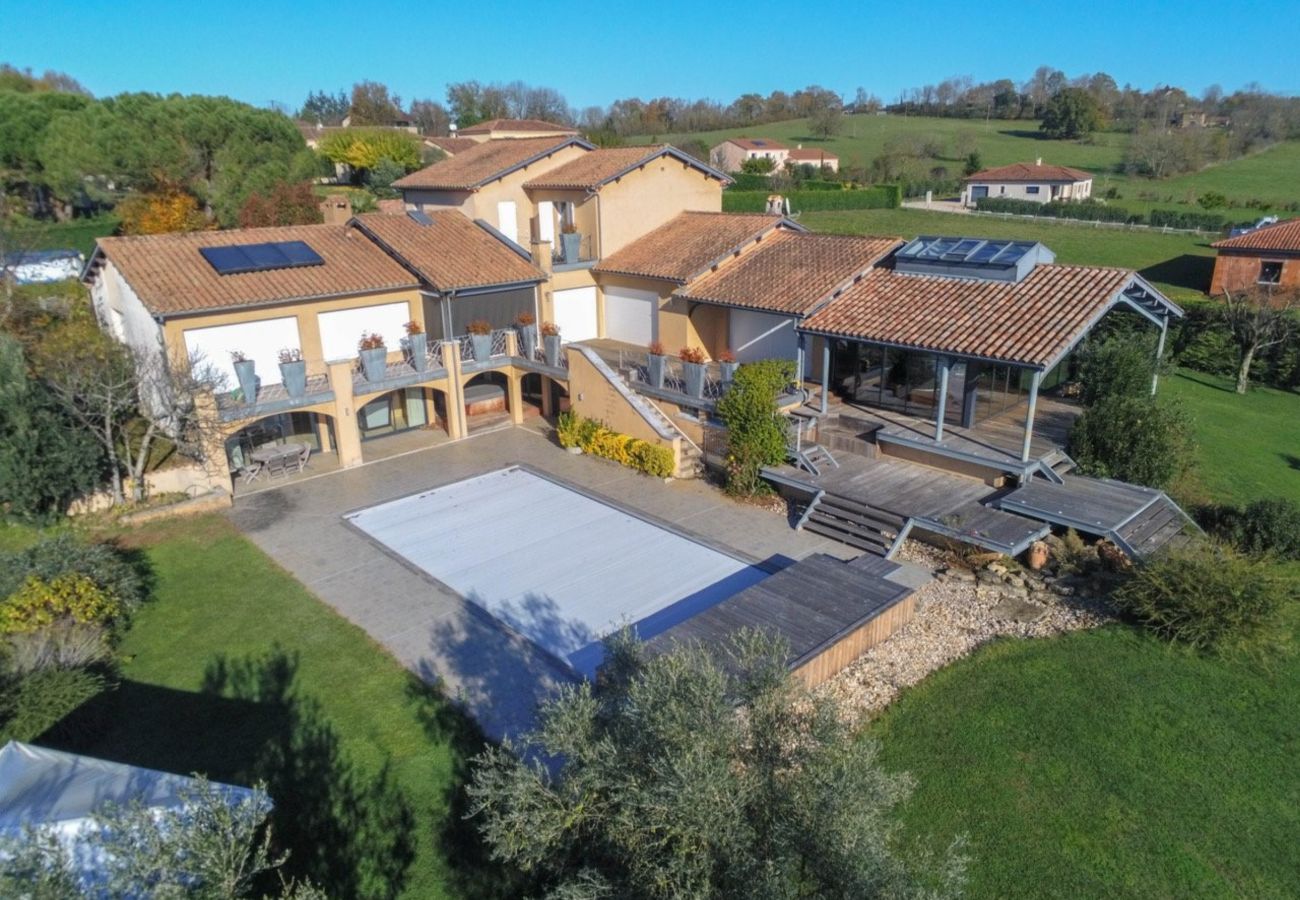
(730, 154)
(1022, 181)
(1268, 257)
(800, 156)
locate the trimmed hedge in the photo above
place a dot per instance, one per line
(591, 436)
(880, 196)
(1087, 210)
(750, 181)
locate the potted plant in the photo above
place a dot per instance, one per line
(693, 360)
(657, 357)
(246, 372)
(551, 344)
(570, 242)
(374, 355)
(417, 343)
(526, 323)
(727, 363)
(293, 372)
(480, 338)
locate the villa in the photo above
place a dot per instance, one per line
(1036, 183)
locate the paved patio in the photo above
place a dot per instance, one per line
(499, 677)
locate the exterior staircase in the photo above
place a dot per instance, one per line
(852, 522)
(1162, 524)
(813, 458)
(1055, 464)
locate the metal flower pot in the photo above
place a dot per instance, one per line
(418, 344)
(571, 246)
(294, 377)
(694, 376)
(528, 341)
(728, 371)
(656, 371)
(482, 344)
(551, 348)
(374, 363)
(246, 372)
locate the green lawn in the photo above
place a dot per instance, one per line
(79, 234)
(1248, 447)
(1106, 764)
(1179, 264)
(200, 693)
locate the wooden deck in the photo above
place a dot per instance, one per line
(996, 443)
(828, 611)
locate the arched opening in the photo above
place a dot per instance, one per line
(543, 395)
(285, 444)
(406, 409)
(486, 401)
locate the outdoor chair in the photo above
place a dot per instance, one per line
(250, 472)
(303, 457)
(277, 467)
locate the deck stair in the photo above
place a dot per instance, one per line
(1055, 464)
(1162, 524)
(852, 522)
(813, 458)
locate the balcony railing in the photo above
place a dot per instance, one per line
(573, 250)
(636, 368)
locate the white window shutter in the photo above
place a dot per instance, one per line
(546, 221)
(507, 223)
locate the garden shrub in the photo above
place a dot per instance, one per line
(1203, 595)
(1086, 210)
(1132, 439)
(1119, 366)
(756, 430)
(39, 603)
(66, 554)
(1268, 526)
(591, 436)
(31, 706)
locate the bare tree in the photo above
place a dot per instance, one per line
(1259, 318)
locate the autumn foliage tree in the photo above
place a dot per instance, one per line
(158, 212)
(363, 148)
(286, 204)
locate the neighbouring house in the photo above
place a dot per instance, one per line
(1267, 256)
(732, 153)
(812, 156)
(61, 793)
(451, 145)
(42, 266)
(505, 129)
(1022, 181)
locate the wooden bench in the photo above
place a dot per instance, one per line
(484, 398)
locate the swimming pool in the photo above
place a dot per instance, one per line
(555, 564)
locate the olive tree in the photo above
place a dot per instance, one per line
(685, 775)
(1258, 318)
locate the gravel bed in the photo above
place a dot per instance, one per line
(955, 613)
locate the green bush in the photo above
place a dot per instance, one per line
(1087, 210)
(1119, 366)
(591, 436)
(880, 196)
(1204, 596)
(756, 430)
(66, 554)
(1132, 439)
(1189, 219)
(33, 705)
(750, 181)
(1269, 526)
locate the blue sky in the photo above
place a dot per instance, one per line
(594, 53)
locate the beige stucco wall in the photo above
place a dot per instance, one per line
(648, 197)
(591, 395)
(729, 156)
(1077, 190)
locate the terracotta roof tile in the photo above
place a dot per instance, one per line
(452, 252)
(1030, 323)
(756, 143)
(172, 277)
(687, 245)
(1282, 237)
(492, 125)
(1030, 172)
(594, 169)
(791, 272)
(452, 145)
(488, 161)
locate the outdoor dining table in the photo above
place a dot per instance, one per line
(274, 451)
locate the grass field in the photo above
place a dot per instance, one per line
(321, 735)
(79, 234)
(1272, 176)
(1180, 264)
(1249, 447)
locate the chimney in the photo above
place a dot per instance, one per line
(337, 209)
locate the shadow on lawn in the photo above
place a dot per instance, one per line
(1205, 381)
(1187, 270)
(349, 832)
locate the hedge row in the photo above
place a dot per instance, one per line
(1092, 211)
(596, 438)
(881, 196)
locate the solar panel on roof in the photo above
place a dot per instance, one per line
(238, 259)
(758, 143)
